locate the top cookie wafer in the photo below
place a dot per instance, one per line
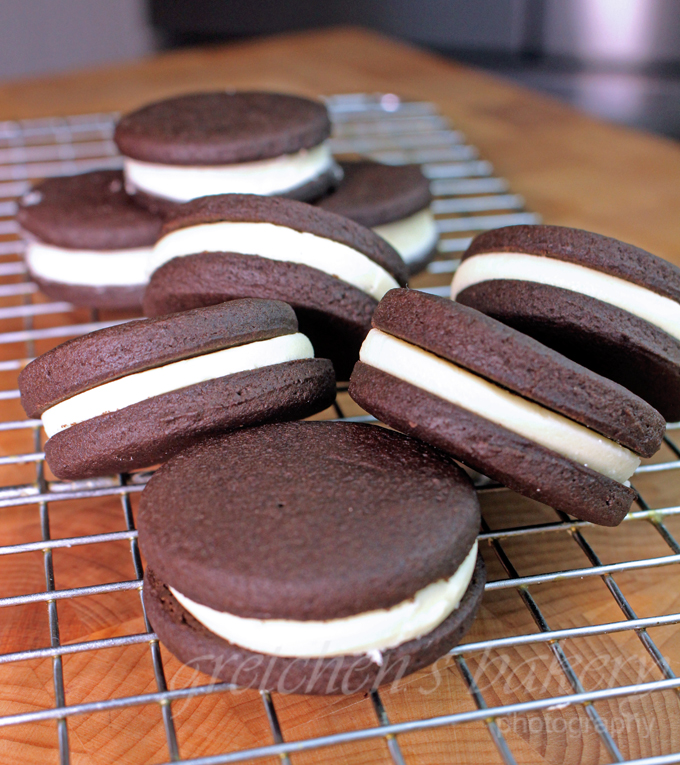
(605, 304)
(206, 144)
(87, 212)
(330, 269)
(222, 128)
(373, 194)
(311, 555)
(88, 241)
(584, 248)
(504, 404)
(124, 349)
(308, 520)
(132, 395)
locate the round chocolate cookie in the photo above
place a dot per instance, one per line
(609, 306)
(226, 142)
(505, 405)
(331, 270)
(132, 395)
(88, 241)
(393, 200)
(310, 557)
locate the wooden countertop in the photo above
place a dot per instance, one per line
(571, 169)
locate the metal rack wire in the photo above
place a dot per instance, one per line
(468, 198)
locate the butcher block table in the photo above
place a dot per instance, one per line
(573, 656)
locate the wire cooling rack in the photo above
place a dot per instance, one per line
(569, 661)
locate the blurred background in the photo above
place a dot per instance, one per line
(616, 59)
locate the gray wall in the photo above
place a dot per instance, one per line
(43, 36)
(463, 24)
(49, 36)
(498, 25)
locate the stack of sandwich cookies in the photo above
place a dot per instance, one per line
(132, 395)
(226, 143)
(88, 242)
(607, 305)
(505, 405)
(330, 269)
(393, 200)
(310, 557)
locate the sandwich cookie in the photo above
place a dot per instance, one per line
(204, 144)
(88, 242)
(393, 200)
(607, 305)
(310, 557)
(133, 395)
(330, 269)
(505, 405)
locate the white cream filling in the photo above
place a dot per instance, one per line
(274, 242)
(181, 183)
(656, 309)
(413, 237)
(465, 389)
(92, 268)
(133, 388)
(364, 633)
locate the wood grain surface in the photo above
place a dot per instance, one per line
(573, 171)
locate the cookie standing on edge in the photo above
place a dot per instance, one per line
(88, 241)
(310, 557)
(330, 269)
(133, 395)
(505, 405)
(393, 200)
(203, 144)
(605, 304)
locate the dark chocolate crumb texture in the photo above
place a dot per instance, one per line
(505, 404)
(608, 305)
(226, 142)
(331, 270)
(132, 395)
(304, 547)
